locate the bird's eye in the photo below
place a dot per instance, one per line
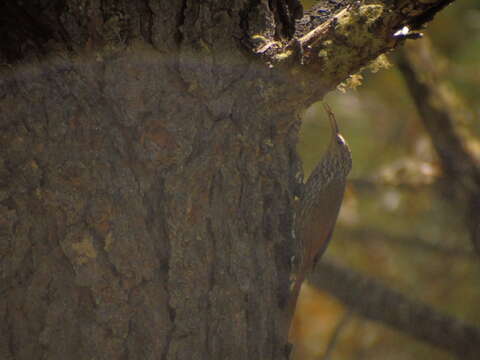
(340, 140)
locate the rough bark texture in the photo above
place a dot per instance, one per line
(147, 174)
(146, 200)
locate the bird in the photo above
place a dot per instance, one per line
(319, 205)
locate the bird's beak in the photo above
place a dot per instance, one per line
(331, 117)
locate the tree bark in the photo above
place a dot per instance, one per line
(148, 171)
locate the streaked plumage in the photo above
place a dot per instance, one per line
(320, 204)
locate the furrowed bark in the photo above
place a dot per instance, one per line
(148, 168)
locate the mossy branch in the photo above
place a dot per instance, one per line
(346, 40)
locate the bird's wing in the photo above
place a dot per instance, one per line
(324, 218)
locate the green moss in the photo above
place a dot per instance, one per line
(352, 24)
(353, 29)
(371, 12)
(284, 55)
(381, 62)
(352, 82)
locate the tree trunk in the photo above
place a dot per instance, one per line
(148, 170)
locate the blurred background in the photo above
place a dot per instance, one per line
(403, 221)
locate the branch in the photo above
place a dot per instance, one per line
(440, 116)
(380, 303)
(338, 41)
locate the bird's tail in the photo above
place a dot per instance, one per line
(295, 292)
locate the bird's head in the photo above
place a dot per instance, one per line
(338, 148)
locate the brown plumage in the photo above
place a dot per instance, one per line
(319, 205)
